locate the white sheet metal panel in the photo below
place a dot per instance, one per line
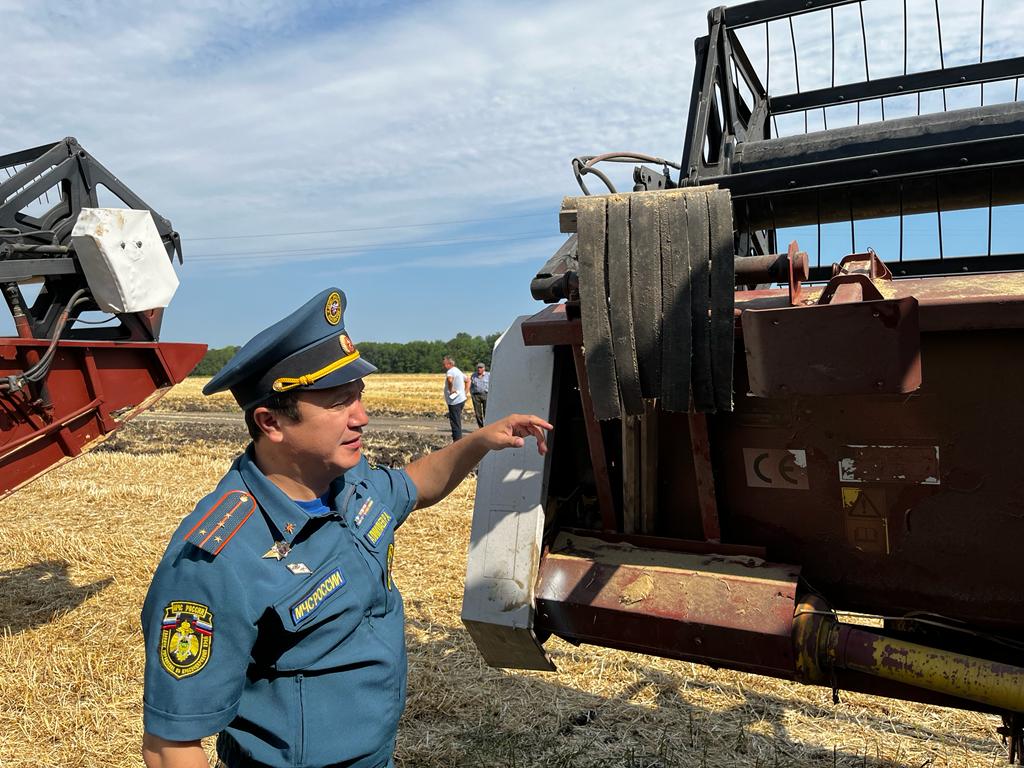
(508, 517)
(124, 259)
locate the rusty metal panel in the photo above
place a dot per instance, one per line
(912, 502)
(838, 349)
(732, 611)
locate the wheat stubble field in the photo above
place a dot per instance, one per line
(79, 546)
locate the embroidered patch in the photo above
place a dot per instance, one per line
(383, 521)
(388, 581)
(363, 511)
(306, 605)
(186, 638)
(346, 344)
(332, 309)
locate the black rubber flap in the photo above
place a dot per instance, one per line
(645, 249)
(697, 226)
(677, 331)
(723, 280)
(600, 361)
(620, 302)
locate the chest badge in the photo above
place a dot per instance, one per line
(379, 526)
(298, 568)
(186, 638)
(363, 511)
(278, 551)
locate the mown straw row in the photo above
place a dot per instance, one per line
(80, 545)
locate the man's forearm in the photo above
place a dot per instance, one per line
(160, 753)
(437, 474)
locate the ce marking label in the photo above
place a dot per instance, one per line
(784, 468)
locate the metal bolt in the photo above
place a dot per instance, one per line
(138, 243)
(879, 384)
(122, 243)
(775, 322)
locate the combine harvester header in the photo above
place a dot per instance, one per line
(750, 439)
(65, 382)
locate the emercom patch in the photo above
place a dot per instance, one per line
(186, 638)
(380, 525)
(306, 605)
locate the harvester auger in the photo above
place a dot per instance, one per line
(748, 440)
(68, 381)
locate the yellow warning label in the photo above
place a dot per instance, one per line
(867, 526)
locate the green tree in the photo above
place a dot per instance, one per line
(392, 357)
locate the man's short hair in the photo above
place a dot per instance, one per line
(283, 403)
(448, 359)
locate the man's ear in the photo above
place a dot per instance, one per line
(268, 423)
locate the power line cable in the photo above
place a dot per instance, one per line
(370, 247)
(365, 229)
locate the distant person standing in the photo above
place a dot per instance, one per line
(456, 392)
(479, 383)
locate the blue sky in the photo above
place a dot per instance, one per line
(412, 153)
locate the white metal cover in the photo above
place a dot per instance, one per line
(124, 259)
(508, 517)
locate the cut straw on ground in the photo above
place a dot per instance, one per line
(80, 545)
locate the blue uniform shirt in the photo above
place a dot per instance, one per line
(281, 629)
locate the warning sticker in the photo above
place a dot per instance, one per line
(784, 468)
(867, 527)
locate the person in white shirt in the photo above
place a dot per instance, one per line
(456, 392)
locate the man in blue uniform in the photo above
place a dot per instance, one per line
(272, 618)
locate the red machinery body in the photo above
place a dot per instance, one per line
(70, 378)
(749, 441)
(94, 388)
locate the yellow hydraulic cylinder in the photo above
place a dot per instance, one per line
(966, 677)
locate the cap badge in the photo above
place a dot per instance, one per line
(346, 344)
(332, 309)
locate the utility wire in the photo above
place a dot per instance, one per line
(365, 229)
(370, 247)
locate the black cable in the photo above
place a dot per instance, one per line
(581, 166)
(39, 371)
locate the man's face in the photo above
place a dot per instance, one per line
(327, 437)
(479, 370)
(447, 364)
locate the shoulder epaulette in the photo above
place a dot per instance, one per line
(222, 521)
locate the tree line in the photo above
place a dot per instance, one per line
(393, 357)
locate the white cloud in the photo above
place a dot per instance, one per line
(259, 116)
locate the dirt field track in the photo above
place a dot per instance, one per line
(79, 546)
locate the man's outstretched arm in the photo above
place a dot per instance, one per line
(437, 474)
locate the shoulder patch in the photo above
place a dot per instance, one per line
(186, 638)
(222, 521)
